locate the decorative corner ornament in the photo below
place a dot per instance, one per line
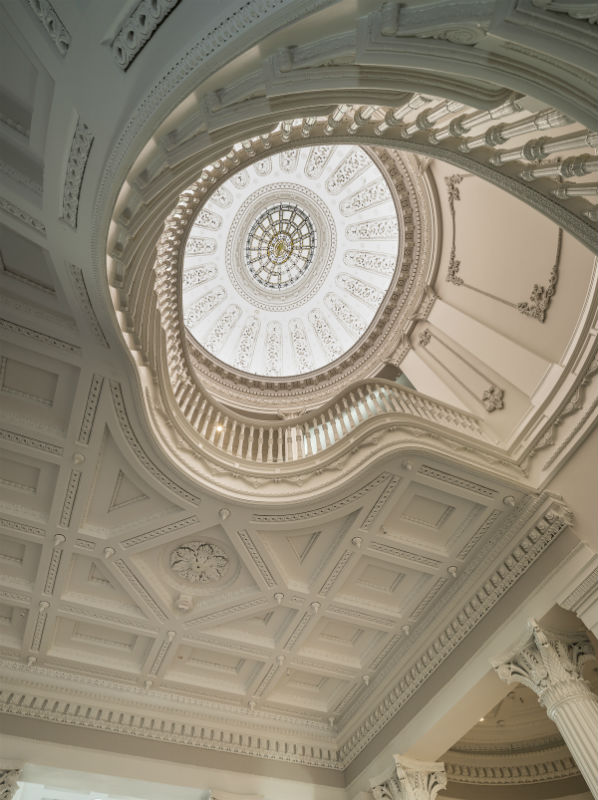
(493, 399)
(198, 562)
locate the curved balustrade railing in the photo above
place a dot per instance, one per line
(508, 152)
(269, 442)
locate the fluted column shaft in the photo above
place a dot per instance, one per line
(549, 664)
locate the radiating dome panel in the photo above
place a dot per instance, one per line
(288, 262)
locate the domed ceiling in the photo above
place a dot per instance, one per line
(289, 260)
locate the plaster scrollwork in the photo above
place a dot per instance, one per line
(246, 345)
(301, 347)
(207, 219)
(203, 305)
(371, 195)
(325, 334)
(53, 25)
(138, 28)
(223, 328)
(583, 10)
(197, 275)
(363, 291)
(240, 179)
(273, 348)
(288, 159)
(198, 562)
(263, 166)
(372, 262)
(350, 168)
(9, 779)
(317, 160)
(197, 246)
(373, 229)
(345, 314)
(75, 169)
(452, 185)
(222, 197)
(541, 296)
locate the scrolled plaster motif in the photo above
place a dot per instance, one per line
(138, 28)
(75, 170)
(53, 25)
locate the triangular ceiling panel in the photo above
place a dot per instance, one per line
(120, 500)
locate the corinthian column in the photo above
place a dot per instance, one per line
(549, 664)
(413, 780)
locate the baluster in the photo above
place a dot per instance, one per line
(539, 149)
(499, 134)
(462, 125)
(332, 427)
(285, 130)
(231, 437)
(207, 420)
(260, 444)
(355, 410)
(566, 190)
(572, 167)
(361, 116)
(335, 119)
(249, 453)
(308, 124)
(325, 430)
(279, 433)
(270, 445)
(197, 412)
(307, 439)
(395, 115)
(427, 119)
(365, 406)
(241, 440)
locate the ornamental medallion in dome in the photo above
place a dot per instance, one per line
(314, 268)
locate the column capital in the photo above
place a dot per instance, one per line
(549, 664)
(8, 782)
(411, 780)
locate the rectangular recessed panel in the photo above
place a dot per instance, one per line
(428, 512)
(11, 551)
(27, 382)
(18, 476)
(103, 637)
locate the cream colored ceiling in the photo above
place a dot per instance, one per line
(319, 620)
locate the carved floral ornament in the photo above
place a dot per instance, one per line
(199, 562)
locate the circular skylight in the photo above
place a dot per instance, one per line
(280, 246)
(289, 260)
